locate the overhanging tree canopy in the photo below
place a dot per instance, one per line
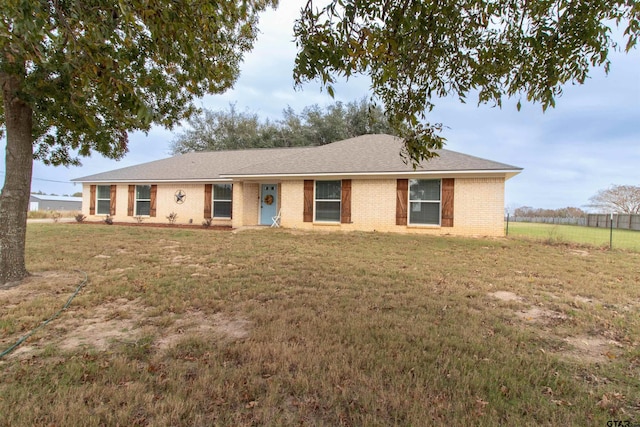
(416, 51)
(78, 76)
(93, 70)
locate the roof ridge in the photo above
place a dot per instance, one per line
(484, 159)
(241, 149)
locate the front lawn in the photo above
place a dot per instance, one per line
(282, 327)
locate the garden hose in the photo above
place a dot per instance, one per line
(43, 324)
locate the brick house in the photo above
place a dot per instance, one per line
(360, 183)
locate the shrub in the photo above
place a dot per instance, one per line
(108, 220)
(79, 217)
(56, 216)
(172, 217)
(207, 222)
(554, 237)
(139, 218)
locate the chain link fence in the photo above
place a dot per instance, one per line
(613, 232)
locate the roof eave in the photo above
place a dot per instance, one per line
(89, 180)
(507, 173)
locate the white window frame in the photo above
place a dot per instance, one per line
(214, 200)
(316, 200)
(142, 200)
(98, 199)
(411, 201)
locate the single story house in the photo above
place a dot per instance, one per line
(360, 183)
(42, 202)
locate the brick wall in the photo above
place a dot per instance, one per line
(191, 209)
(291, 204)
(251, 203)
(478, 208)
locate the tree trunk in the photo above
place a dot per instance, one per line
(14, 198)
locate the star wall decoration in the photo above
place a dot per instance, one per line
(180, 197)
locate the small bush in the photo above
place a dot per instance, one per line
(56, 216)
(108, 220)
(554, 237)
(172, 217)
(79, 217)
(139, 218)
(207, 222)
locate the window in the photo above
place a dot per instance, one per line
(327, 201)
(143, 200)
(222, 200)
(103, 199)
(424, 201)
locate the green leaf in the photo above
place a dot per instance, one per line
(502, 48)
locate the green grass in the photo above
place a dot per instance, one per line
(556, 233)
(277, 327)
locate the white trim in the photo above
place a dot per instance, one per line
(146, 181)
(213, 200)
(398, 174)
(98, 199)
(315, 200)
(409, 201)
(489, 173)
(136, 200)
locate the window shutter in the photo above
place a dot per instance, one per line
(308, 201)
(345, 206)
(152, 202)
(208, 190)
(402, 193)
(112, 202)
(131, 200)
(447, 202)
(92, 200)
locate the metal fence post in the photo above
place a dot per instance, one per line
(507, 224)
(611, 233)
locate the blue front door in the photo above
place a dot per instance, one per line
(268, 203)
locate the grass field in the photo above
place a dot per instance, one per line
(555, 233)
(51, 214)
(276, 327)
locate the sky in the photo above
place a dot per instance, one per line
(590, 141)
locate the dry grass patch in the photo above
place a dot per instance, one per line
(541, 315)
(271, 327)
(194, 324)
(505, 296)
(25, 306)
(121, 321)
(592, 349)
(585, 348)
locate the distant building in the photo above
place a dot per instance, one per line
(42, 202)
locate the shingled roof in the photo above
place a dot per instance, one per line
(197, 166)
(362, 155)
